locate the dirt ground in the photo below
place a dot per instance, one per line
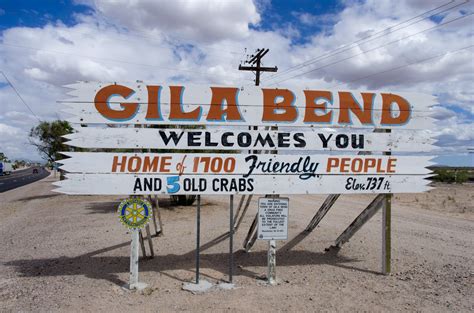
(70, 253)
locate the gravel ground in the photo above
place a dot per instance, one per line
(70, 253)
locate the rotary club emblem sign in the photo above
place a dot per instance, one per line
(134, 213)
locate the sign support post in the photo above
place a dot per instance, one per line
(387, 229)
(231, 238)
(133, 284)
(135, 214)
(271, 257)
(386, 235)
(198, 236)
(272, 225)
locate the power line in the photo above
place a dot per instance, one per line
(405, 65)
(363, 40)
(19, 96)
(373, 49)
(384, 32)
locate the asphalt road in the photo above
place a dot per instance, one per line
(21, 178)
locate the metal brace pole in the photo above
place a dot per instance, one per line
(252, 231)
(231, 237)
(239, 207)
(198, 235)
(246, 206)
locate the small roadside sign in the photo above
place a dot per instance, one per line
(273, 218)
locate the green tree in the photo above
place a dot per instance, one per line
(3, 157)
(47, 138)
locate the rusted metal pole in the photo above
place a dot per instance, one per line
(231, 238)
(198, 236)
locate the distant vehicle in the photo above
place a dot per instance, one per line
(35, 171)
(6, 168)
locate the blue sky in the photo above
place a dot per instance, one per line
(36, 13)
(46, 44)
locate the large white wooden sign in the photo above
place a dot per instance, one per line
(143, 184)
(203, 105)
(238, 139)
(309, 120)
(303, 166)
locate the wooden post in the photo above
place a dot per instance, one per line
(154, 209)
(142, 243)
(386, 235)
(158, 211)
(150, 243)
(386, 229)
(327, 204)
(360, 220)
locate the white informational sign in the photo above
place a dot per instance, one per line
(273, 218)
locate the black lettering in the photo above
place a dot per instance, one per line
(263, 142)
(148, 184)
(193, 139)
(244, 140)
(299, 137)
(324, 139)
(283, 140)
(138, 185)
(356, 144)
(173, 136)
(342, 141)
(253, 159)
(224, 183)
(225, 140)
(250, 184)
(157, 184)
(208, 142)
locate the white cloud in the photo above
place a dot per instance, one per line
(197, 20)
(200, 42)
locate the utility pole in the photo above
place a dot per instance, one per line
(256, 60)
(250, 240)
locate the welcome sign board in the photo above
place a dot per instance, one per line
(351, 116)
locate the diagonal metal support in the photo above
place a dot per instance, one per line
(363, 217)
(249, 240)
(325, 207)
(238, 220)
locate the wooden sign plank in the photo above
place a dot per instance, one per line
(209, 105)
(303, 166)
(123, 184)
(233, 139)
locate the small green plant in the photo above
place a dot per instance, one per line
(451, 176)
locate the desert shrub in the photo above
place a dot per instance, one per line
(451, 176)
